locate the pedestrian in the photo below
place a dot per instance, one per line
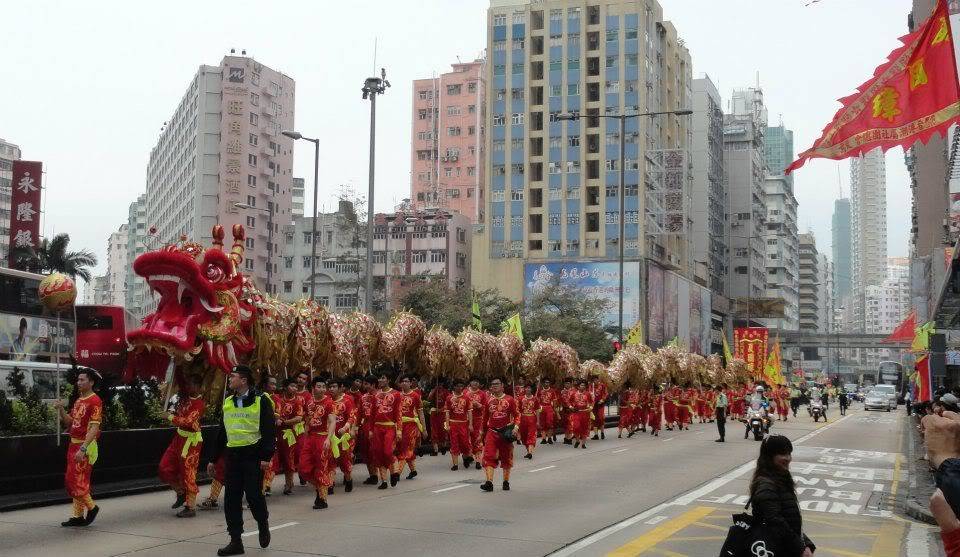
(247, 438)
(502, 416)
(178, 466)
(908, 400)
(84, 423)
(773, 496)
(843, 400)
(941, 435)
(720, 410)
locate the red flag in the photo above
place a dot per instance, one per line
(923, 379)
(911, 96)
(905, 331)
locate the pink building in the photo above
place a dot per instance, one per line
(447, 158)
(411, 246)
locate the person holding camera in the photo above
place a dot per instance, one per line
(503, 421)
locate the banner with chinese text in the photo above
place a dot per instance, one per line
(25, 206)
(750, 345)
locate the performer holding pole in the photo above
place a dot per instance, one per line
(178, 466)
(84, 423)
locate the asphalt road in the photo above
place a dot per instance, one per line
(671, 495)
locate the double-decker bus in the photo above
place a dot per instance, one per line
(102, 337)
(891, 373)
(28, 330)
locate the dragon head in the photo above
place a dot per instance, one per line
(201, 307)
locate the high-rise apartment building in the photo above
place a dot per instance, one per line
(117, 264)
(8, 153)
(744, 161)
(447, 159)
(868, 226)
(137, 241)
(221, 159)
(810, 302)
(842, 247)
(898, 278)
(709, 205)
(296, 199)
(553, 193)
(780, 237)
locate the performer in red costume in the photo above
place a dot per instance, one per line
(178, 466)
(599, 392)
(529, 416)
(501, 412)
(438, 435)
(412, 424)
(549, 399)
(581, 403)
(346, 414)
(84, 423)
(478, 403)
(459, 425)
(315, 455)
(386, 431)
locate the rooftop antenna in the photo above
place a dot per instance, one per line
(374, 56)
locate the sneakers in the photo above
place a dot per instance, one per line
(74, 521)
(543, 441)
(288, 491)
(235, 547)
(412, 474)
(550, 441)
(347, 486)
(209, 505)
(467, 461)
(454, 467)
(181, 499)
(91, 516)
(319, 504)
(576, 445)
(568, 441)
(478, 466)
(584, 446)
(506, 485)
(186, 512)
(718, 440)
(330, 490)
(487, 486)
(603, 435)
(595, 437)
(383, 485)
(316, 501)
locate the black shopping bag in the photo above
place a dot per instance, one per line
(748, 537)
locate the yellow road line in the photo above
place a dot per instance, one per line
(663, 532)
(896, 475)
(888, 540)
(837, 524)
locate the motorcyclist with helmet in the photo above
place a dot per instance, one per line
(758, 402)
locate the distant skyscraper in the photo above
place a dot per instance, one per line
(782, 244)
(842, 251)
(810, 301)
(778, 148)
(8, 153)
(448, 161)
(868, 226)
(117, 264)
(709, 205)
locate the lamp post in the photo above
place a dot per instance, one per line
(621, 241)
(294, 135)
(372, 87)
(269, 212)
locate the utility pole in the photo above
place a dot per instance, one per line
(372, 87)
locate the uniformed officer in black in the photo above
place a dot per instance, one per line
(248, 437)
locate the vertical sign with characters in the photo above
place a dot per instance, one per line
(750, 345)
(25, 205)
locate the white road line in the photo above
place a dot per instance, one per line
(656, 520)
(451, 488)
(619, 451)
(272, 528)
(544, 468)
(568, 550)
(669, 439)
(699, 432)
(692, 496)
(816, 432)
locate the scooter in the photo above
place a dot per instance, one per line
(816, 411)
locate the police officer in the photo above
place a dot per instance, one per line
(247, 438)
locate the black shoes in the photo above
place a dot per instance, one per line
(371, 480)
(584, 446)
(603, 435)
(549, 441)
(543, 441)
(595, 437)
(528, 456)
(478, 466)
(330, 490)
(454, 467)
(506, 485)
(383, 485)
(568, 441)
(186, 512)
(718, 440)
(319, 504)
(235, 547)
(91, 516)
(467, 461)
(347, 486)
(267, 492)
(74, 521)
(181, 499)
(264, 533)
(576, 445)
(394, 479)
(487, 486)
(412, 474)
(288, 491)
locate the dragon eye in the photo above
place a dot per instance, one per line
(214, 273)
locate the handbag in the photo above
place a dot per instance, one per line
(749, 537)
(506, 433)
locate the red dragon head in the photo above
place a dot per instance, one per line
(204, 305)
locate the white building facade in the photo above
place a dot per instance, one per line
(868, 227)
(8, 153)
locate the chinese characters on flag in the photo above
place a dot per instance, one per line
(24, 206)
(750, 345)
(910, 97)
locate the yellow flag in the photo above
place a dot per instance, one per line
(635, 336)
(727, 355)
(922, 339)
(512, 325)
(772, 369)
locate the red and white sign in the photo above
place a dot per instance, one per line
(25, 205)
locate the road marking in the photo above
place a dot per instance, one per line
(896, 476)
(692, 496)
(272, 528)
(699, 432)
(656, 520)
(649, 539)
(608, 531)
(451, 488)
(544, 468)
(619, 451)
(669, 439)
(820, 430)
(888, 540)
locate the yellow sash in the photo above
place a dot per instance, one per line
(415, 419)
(339, 443)
(298, 428)
(93, 452)
(191, 438)
(289, 435)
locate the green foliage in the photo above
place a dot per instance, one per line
(16, 380)
(211, 415)
(115, 415)
(6, 412)
(52, 256)
(31, 418)
(438, 304)
(567, 315)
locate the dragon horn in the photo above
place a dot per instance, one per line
(218, 236)
(236, 254)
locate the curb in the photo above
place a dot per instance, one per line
(917, 474)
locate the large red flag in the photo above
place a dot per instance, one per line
(923, 379)
(911, 96)
(905, 331)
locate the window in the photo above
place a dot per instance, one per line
(499, 170)
(573, 40)
(556, 90)
(425, 94)
(516, 118)
(554, 167)
(612, 35)
(500, 45)
(516, 221)
(593, 222)
(472, 109)
(437, 256)
(252, 160)
(497, 144)
(612, 87)
(573, 167)
(254, 119)
(454, 89)
(252, 139)
(499, 69)
(573, 13)
(471, 130)
(497, 195)
(453, 111)
(516, 169)
(251, 180)
(630, 33)
(472, 87)
(471, 171)
(453, 130)
(573, 218)
(556, 40)
(553, 219)
(251, 222)
(516, 195)
(418, 257)
(453, 193)
(251, 201)
(497, 221)
(288, 263)
(516, 143)
(518, 17)
(556, 142)
(516, 68)
(517, 44)
(516, 94)
(573, 64)
(498, 120)
(632, 59)
(346, 300)
(556, 65)
(612, 61)
(612, 217)
(254, 99)
(573, 140)
(573, 89)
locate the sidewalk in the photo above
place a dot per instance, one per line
(920, 482)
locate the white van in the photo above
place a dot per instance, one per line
(43, 375)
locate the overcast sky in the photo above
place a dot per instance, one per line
(88, 86)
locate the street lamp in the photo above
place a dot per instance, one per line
(372, 87)
(269, 212)
(620, 244)
(295, 135)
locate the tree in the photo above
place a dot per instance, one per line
(566, 314)
(52, 256)
(437, 303)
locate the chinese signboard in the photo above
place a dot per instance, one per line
(750, 345)
(25, 205)
(670, 193)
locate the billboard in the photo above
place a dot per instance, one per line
(677, 309)
(24, 206)
(30, 338)
(598, 279)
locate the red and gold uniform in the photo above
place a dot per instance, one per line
(315, 455)
(306, 398)
(670, 411)
(655, 411)
(437, 398)
(287, 408)
(178, 465)
(478, 403)
(582, 404)
(346, 413)
(700, 405)
(386, 423)
(500, 411)
(410, 405)
(629, 399)
(782, 398)
(685, 404)
(566, 411)
(549, 398)
(642, 410)
(368, 403)
(457, 409)
(529, 409)
(600, 394)
(86, 411)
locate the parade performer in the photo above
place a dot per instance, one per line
(84, 422)
(315, 456)
(346, 413)
(412, 425)
(503, 419)
(386, 431)
(670, 411)
(642, 409)
(529, 416)
(368, 404)
(566, 410)
(217, 471)
(783, 397)
(685, 403)
(655, 411)
(246, 438)
(548, 412)
(627, 406)
(306, 395)
(438, 435)
(700, 404)
(290, 413)
(478, 402)
(178, 466)
(599, 392)
(581, 404)
(458, 421)
(269, 388)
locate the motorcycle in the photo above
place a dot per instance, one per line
(816, 411)
(758, 422)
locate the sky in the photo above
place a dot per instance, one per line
(86, 90)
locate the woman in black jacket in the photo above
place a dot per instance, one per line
(773, 495)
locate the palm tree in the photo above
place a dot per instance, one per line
(51, 256)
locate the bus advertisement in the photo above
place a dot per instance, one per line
(28, 330)
(102, 337)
